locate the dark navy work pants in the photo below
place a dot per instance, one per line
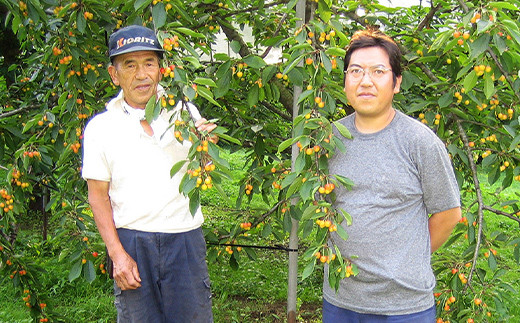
(334, 314)
(174, 278)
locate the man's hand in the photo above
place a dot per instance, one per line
(126, 274)
(125, 271)
(203, 125)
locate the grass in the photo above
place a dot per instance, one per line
(256, 292)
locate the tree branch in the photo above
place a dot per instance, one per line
(251, 9)
(512, 216)
(272, 108)
(17, 111)
(286, 97)
(510, 81)
(463, 4)
(262, 217)
(233, 35)
(428, 18)
(268, 49)
(480, 200)
(493, 56)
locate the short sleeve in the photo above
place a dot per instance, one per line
(95, 164)
(439, 185)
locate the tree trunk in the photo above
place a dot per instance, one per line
(293, 236)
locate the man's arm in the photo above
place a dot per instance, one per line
(126, 274)
(441, 224)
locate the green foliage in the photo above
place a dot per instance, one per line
(460, 77)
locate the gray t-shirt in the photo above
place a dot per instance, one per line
(401, 174)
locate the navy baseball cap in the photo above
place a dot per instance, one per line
(132, 39)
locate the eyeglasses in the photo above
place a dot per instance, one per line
(356, 73)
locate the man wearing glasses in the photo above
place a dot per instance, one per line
(405, 200)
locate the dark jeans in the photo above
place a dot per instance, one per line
(174, 278)
(334, 314)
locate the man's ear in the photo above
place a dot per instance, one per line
(113, 74)
(397, 86)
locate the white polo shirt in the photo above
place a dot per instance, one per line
(143, 195)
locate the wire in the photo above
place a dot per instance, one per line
(278, 247)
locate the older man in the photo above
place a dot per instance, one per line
(156, 246)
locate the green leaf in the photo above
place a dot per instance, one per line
(235, 46)
(479, 46)
(251, 253)
(307, 189)
(299, 164)
(470, 81)
(294, 187)
(293, 64)
(35, 10)
(452, 239)
(417, 106)
(89, 272)
(342, 130)
(159, 14)
(75, 271)
(193, 60)
(492, 261)
(445, 100)
(254, 61)
(207, 94)
(326, 62)
(230, 139)
(346, 216)
(502, 5)
(189, 32)
(139, 4)
(489, 87)
(214, 152)
(441, 40)
(285, 144)
(483, 25)
(324, 11)
(252, 96)
(188, 184)
(309, 212)
(463, 71)
(81, 23)
(268, 73)
(346, 182)
(514, 143)
(152, 109)
(175, 168)
(194, 202)
(288, 180)
(189, 92)
(267, 230)
(335, 51)
(339, 144)
(233, 263)
(309, 269)
(204, 81)
(342, 233)
(409, 79)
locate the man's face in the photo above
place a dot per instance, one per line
(371, 97)
(138, 74)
